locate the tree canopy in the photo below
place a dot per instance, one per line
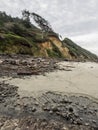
(41, 22)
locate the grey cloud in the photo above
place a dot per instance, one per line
(80, 28)
(88, 41)
(65, 11)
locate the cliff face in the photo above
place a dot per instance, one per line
(49, 47)
(78, 52)
(17, 38)
(53, 48)
(63, 49)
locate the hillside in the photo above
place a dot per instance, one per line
(19, 36)
(78, 52)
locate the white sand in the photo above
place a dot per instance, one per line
(82, 79)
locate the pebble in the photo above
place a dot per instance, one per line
(33, 109)
(71, 109)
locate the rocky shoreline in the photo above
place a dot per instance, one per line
(20, 65)
(49, 110)
(46, 110)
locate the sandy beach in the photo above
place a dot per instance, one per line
(74, 77)
(62, 95)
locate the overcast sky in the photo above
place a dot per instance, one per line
(76, 19)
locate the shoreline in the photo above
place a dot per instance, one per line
(75, 78)
(57, 99)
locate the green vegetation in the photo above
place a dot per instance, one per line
(14, 44)
(55, 51)
(20, 36)
(78, 52)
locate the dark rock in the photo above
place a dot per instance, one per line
(54, 108)
(33, 109)
(57, 110)
(71, 109)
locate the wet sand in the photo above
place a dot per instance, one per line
(74, 77)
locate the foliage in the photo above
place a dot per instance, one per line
(54, 52)
(15, 44)
(42, 23)
(26, 18)
(20, 36)
(77, 51)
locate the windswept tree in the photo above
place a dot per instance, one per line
(26, 18)
(42, 23)
(26, 15)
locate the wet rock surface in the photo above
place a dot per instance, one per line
(46, 111)
(24, 65)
